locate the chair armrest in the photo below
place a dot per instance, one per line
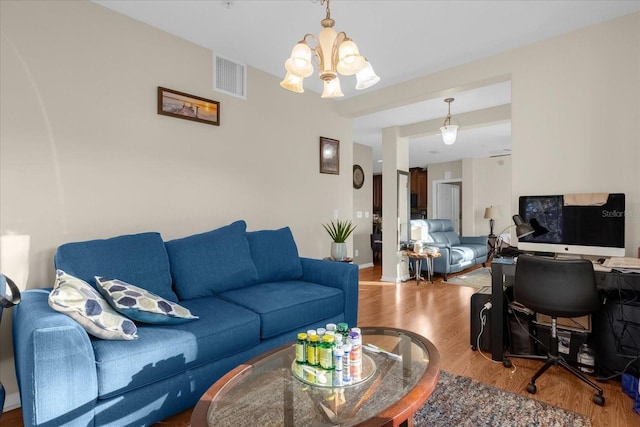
(335, 274)
(478, 240)
(55, 364)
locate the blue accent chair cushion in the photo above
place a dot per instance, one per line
(275, 255)
(139, 258)
(141, 305)
(209, 263)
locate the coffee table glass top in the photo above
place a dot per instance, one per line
(264, 391)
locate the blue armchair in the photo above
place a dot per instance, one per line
(457, 252)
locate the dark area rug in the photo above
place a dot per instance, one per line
(462, 401)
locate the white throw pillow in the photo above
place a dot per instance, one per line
(141, 305)
(78, 300)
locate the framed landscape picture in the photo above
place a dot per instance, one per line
(189, 107)
(329, 156)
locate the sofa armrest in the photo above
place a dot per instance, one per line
(339, 275)
(439, 244)
(478, 240)
(55, 364)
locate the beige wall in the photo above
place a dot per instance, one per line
(485, 182)
(575, 108)
(363, 203)
(489, 182)
(84, 154)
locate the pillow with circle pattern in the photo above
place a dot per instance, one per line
(141, 305)
(80, 301)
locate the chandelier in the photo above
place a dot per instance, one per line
(449, 131)
(333, 53)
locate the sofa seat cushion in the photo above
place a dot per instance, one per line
(461, 254)
(286, 306)
(479, 250)
(162, 351)
(208, 263)
(137, 258)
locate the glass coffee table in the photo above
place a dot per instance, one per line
(265, 392)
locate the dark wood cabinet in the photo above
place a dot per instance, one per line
(377, 194)
(419, 186)
(418, 182)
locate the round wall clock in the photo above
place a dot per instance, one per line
(358, 176)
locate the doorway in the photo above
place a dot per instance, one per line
(448, 201)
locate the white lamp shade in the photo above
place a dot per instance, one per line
(366, 77)
(491, 213)
(293, 83)
(14, 258)
(300, 61)
(449, 134)
(349, 59)
(332, 89)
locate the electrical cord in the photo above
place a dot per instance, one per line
(526, 329)
(483, 321)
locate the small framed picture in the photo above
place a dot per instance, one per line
(189, 107)
(329, 156)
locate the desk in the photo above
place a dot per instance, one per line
(503, 272)
(492, 241)
(418, 257)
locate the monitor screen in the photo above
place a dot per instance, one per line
(575, 229)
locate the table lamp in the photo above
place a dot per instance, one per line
(491, 213)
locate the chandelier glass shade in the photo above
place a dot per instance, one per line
(334, 53)
(449, 131)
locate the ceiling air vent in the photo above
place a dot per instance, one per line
(229, 77)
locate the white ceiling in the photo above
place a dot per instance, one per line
(403, 39)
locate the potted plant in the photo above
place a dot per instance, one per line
(339, 232)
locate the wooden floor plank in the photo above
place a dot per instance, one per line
(441, 312)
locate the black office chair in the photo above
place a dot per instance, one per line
(557, 288)
(7, 301)
(376, 246)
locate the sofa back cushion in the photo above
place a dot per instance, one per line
(209, 263)
(275, 255)
(139, 259)
(434, 231)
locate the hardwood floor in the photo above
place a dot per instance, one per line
(440, 312)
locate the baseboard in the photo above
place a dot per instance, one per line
(367, 265)
(11, 402)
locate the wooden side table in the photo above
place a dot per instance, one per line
(418, 257)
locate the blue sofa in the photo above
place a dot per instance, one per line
(456, 252)
(250, 290)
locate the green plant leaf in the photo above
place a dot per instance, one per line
(339, 231)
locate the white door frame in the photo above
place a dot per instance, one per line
(434, 199)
